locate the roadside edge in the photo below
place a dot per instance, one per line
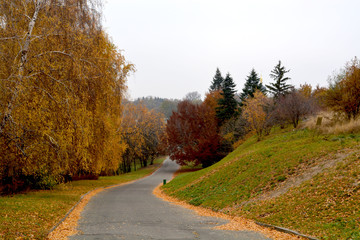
(67, 225)
(235, 223)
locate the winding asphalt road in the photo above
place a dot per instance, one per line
(133, 212)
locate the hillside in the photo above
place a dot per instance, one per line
(295, 179)
(163, 105)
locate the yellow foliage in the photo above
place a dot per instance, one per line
(306, 90)
(254, 113)
(343, 95)
(61, 90)
(212, 99)
(141, 130)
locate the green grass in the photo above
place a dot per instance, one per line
(328, 206)
(32, 215)
(256, 167)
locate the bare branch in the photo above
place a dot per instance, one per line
(56, 52)
(52, 140)
(47, 93)
(56, 80)
(8, 38)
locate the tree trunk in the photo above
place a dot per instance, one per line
(24, 53)
(134, 164)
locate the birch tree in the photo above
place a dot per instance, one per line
(62, 82)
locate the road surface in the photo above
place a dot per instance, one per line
(133, 212)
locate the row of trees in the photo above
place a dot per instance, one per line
(62, 83)
(342, 97)
(141, 129)
(163, 105)
(203, 133)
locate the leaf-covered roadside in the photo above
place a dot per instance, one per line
(331, 200)
(325, 207)
(32, 215)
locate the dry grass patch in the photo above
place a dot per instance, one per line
(333, 123)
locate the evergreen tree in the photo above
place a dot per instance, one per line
(228, 106)
(251, 85)
(217, 81)
(279, 87)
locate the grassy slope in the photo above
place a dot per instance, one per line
(327, 206)
(32, 215)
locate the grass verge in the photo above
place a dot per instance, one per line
(32, 215)
(234, 224)
(326, 206)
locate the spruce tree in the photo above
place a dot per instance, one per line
(228, 106)
(251, 85)
(279, 87)
(217, 81)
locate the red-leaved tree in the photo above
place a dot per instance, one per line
(192, 135)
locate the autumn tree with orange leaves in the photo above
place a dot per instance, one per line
(141, 130)
(343, 94)
(61, 88)
(257, 112)
(212, 99)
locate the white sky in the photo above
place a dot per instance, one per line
(176, 45)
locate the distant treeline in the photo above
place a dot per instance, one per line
(163, 105)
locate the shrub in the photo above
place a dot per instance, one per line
(294, 106)
(343, 94)
(45, 182)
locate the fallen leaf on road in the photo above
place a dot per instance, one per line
(235, 223)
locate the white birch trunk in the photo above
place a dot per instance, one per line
(23, 59)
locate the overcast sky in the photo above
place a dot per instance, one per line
(176, 45)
